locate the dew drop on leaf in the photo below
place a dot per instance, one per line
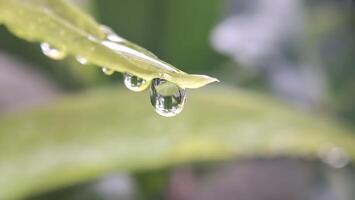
(52, 52)
(111, 35)
(168, 101)
(107, 71)
(135, 83)
(81, 60)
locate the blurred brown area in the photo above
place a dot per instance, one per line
(274, 179)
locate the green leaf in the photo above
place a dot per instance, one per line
(84, 136)
(67, 28)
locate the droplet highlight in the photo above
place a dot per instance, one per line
(81, 60)
(113, 37)
(108, 71)
(167, 98)
(52, 52)
(135, 83)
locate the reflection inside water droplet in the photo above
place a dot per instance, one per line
(81, 60)
(107, 71)
(334, 157)
(51, 52)
(167, 98)
(135, 83)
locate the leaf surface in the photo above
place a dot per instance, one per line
(68, 29)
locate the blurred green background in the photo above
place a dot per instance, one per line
(299, 52)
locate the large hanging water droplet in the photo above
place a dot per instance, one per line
(108, 71)
(135, 83)
(167, 98)
(51, 52)
(81, 60)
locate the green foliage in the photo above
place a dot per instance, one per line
(70, 30)
(91, 134)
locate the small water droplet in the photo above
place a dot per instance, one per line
(111, 35)
(52, 52)
(108, 71)
(135, 83)
(334, 156)
(167, 98)
(81, 60)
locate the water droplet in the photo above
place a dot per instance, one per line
(167, 98)
(51, 52)
(111, 35)
(81, 60)
(107, 71)
(334, 156)
(135, 83)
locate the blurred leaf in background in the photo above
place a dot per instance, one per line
(96, 133)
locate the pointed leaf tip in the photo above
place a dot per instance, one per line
(202, 80)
